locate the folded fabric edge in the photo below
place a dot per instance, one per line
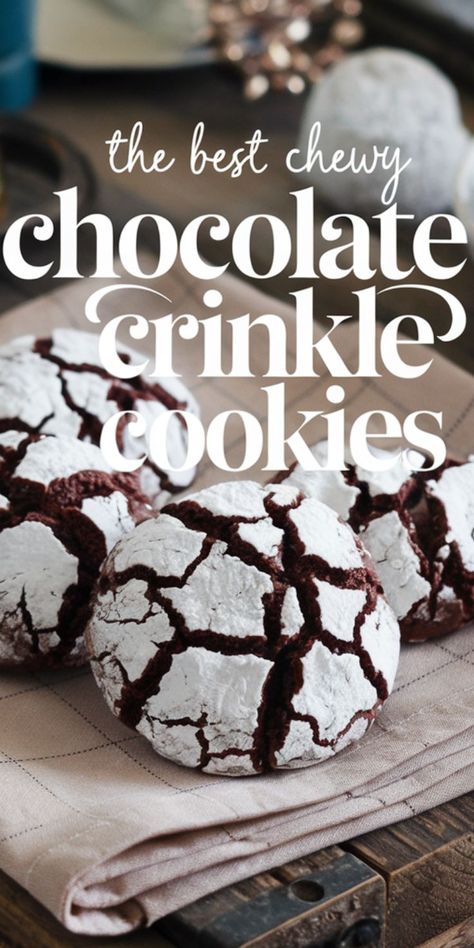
(105, 885)
(146, 909)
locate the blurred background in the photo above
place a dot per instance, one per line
(373, 71)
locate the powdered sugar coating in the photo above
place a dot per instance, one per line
(292, 618)
(330, 487)
(297, 749)
(58, 386)
(36, 571)
(339, 608)
(322, 533)
(344, 490)
(388, 99)
(443, 523)
(111, 515)
(334, 689)
(11, 440)
(383, 648)
(223, 595)
(455, 491)
(89, 392)
(400, 467)
(240, 500)
(131, 629)
(263, 536)
(62, 511)
(50, 458)
(163, 545)
(30, 394)
(273, 639)
(212, 691)
(417, 527)
(397, 561)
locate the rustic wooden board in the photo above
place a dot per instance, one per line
(428, 865)
(330, 898)
(461, 936)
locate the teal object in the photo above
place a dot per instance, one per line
(17, 64)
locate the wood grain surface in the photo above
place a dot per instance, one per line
(428, 865)
(328, 898)
(461, 936)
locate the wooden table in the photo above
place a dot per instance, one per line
(399, 886)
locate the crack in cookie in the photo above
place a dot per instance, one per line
(243, 630)
(63, 511)
(418, 528)
(58, 386)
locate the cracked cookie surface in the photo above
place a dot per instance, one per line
(418, 530)
(58, 386)
(243, 630)
(444, 523)
(62, 509)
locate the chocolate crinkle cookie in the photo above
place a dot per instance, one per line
(61, 511)
(418, 528)
(444, 521)
(58, 386)
(243, 630)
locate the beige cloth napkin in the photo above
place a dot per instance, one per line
(107, 834)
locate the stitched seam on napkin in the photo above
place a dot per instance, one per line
(252, 835)
(359, 796)
(76, 753)
(99, 730)
(448, 651)
(293, 817)
(43, 786)
(94, 824)
(193, 790)
(350, 752)
(29, 829)
(460, 418)
(414, 681)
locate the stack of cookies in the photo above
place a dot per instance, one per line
(242, 629)
(418, 529)
(62, 508)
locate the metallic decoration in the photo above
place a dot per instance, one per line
(283, 44)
